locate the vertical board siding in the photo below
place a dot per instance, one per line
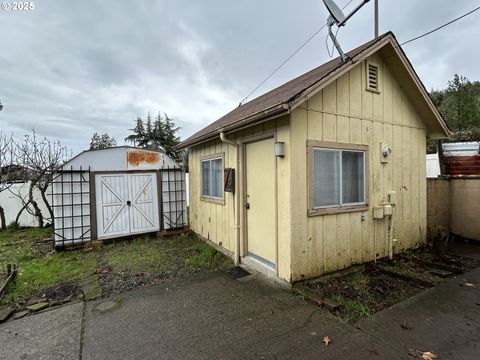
(344, 111)
(216, 222)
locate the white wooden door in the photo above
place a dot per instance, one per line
(144, 203)
(113, 216)
(126, 204)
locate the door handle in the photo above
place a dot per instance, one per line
(129, 203)
(247, 206)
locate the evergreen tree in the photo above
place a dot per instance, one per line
(139, 134)
(159, 134)
(170, 138)
(459, 105)
(103, 141)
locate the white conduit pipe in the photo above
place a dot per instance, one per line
(236, 210)
(390, 234)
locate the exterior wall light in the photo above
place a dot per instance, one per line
(280, 149)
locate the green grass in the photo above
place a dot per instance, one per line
(42, 273)
(352, 310)
(204, 254)
(165, 255)
(409, 253)
(40, 268)
(18, 246)
(37, 271)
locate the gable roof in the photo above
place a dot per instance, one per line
(284, 98)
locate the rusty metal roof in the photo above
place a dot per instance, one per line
(276, 99)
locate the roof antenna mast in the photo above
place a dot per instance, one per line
(337, 17)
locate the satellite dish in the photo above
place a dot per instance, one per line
(337, 17)
(334, 11)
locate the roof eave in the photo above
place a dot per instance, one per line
(273, 111)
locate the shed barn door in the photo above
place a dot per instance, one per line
(126, 204)
(113, 217)
(144, 203)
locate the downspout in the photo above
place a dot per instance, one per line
(236, 207)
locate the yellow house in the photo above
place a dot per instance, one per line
(323, 172)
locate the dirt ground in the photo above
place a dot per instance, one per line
(60, 276)
(147, 261)
(376, 286)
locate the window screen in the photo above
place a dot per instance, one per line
(338, 177)
(353, 177)
(212, 181)
(326, 175)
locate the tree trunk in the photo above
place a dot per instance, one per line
(3, 221)
(31, 200)
(17, 218)
(43, 191)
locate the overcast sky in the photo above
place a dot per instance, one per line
(72, 68)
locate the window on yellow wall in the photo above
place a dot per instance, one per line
(212, 180)
(338, 177)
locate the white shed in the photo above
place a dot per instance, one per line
(117, 192)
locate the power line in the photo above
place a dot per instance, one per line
(319, 30)
(287, 59)
(440, 27)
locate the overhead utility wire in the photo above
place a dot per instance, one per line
(440, 27)
(287, 59)
(318, 31)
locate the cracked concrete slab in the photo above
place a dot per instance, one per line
(213, 317)
(50, 335)
(444, 319)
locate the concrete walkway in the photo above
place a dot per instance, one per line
(213, 317)
(51, 335)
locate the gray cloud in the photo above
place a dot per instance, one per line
(73, 68)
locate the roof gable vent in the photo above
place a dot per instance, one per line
(372, 78)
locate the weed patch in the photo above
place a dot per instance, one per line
(352, 309)
(121, 265)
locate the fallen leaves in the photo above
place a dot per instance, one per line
(102, 270)
(428, 355)
(425, 355)
(326, 340)
(405, 326)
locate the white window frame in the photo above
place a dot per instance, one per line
(312, 146)
(210, 159)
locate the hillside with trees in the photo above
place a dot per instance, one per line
(459, 105)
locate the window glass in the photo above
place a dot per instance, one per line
(206, 178)
(338, 177)
(353, 186)
(326, 189)
(212, 178)
(217, 183)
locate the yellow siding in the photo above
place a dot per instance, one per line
(216, 222)
(345, 112)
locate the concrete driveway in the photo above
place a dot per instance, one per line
(213, 317)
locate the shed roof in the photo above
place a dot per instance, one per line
(120, 158)
(284, 98)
